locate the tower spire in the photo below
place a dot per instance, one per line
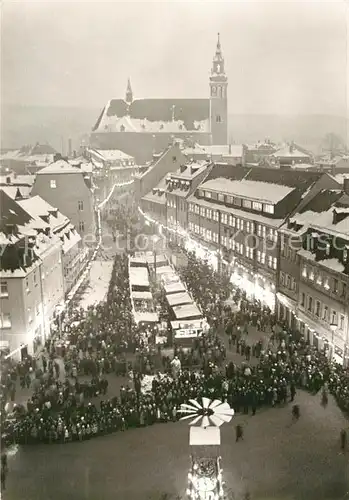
(218, 50)
(129, 93)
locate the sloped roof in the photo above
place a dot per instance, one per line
(11, 213)
(291, 152)
(261, 191)
(60, 167)
(38, 207)
(187, 111)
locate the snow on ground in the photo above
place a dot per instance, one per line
(96, 291)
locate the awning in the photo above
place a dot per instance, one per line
(187, 311)
(176, 299)
(286, 301)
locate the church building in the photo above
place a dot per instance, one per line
(140, 127)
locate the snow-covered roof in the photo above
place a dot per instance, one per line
(333, 264)
(60, 167)
(180, 298)
(12, 191)
(111, 154)
(141, 295)
(261, 191)
(37, 207)
(174, 287)
(290, 152)
(69, 243)
(323, 221)
(139, 276)
(186, 311)
(161, 270)
(146, 317)
(138, 260)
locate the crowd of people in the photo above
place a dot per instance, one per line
(96, 342)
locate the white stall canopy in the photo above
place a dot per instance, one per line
(177, 299)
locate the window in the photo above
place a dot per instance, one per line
(229, 200)
(80, 206)
(319, 279)
(209, 234)
(81, 226)
(249, 252)
(197, 209)
(288, 281)
(221, 197)
(27, 289)
(335, 286)
(3, 289)
(261, 257)
(282, 279)
(218, 119)
(334, 319)
(325, 313)
(341, 322)
(224, 218)
(247, 203)
(247, 226)
(345, 255)
(208, 194)
(237, 201)
(344, 289)
(311, 274)
(310, 303)
(202, 211)
(215, 237)
(304, 272)
(197, 229)
(257, 206)
(202, 231)
(317, 308)
(5, 321)
(270, 261)
(326, 283)
(293, 284)
(209, 213)
(191, 226)
(224, 241)
(191, 207)
(233, 221)
(269, 209)
(53, 184)
(215, 216)
(303, 300)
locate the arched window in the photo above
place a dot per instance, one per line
(214, 90)
(218, 68)
(219, 91)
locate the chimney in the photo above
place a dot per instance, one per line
(8, 180)
(57, 157)
(70, 149)
(346, 185)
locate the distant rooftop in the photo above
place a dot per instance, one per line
(60, 167)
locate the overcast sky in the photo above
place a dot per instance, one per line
(281, 57)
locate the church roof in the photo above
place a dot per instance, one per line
(156, 115)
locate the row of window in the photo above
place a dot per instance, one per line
(171, 203)
(334, 285)
(322, 311)
(235, 222)
(236, 201)
(288, 281)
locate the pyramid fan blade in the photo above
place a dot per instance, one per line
(206, 402)
(229, 411)
(215, 403)
(205, 422)
(189, 407)
(222, 407)
(216, 421)
(186, 417)
(196, 420)
(195, 403)
(224, 418)
(184, 410)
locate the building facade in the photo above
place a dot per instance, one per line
(31, 278)
(69, 188)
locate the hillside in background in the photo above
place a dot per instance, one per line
(55, 125)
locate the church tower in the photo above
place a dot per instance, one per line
(129, 93)
(218, 98)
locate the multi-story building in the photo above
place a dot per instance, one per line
(290, 155)
(319, 306)
(233, 154)
(69, 188)
(237, 213)
(162, 164)
(31, 278)
(73, 255)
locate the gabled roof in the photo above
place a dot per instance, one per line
(11, 213)
(60, 167)
(291, 152)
